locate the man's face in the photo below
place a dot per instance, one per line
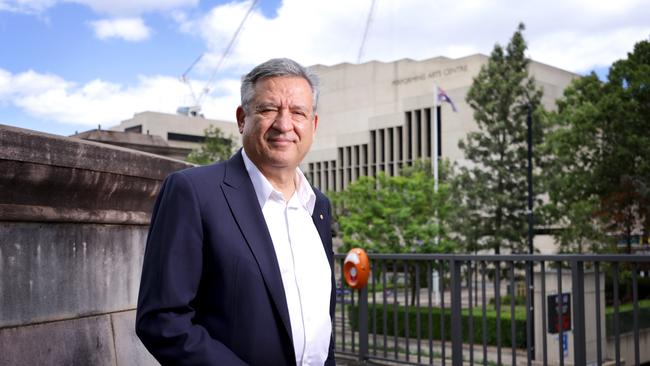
(280, 123)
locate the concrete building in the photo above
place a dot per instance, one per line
(377, 116)
(180, 131)
(153, 144)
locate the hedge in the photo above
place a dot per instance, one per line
(626, 317)
(520, 323)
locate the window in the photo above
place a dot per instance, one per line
(134, 129)
(183, 137)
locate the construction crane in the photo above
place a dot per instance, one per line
(365, 32)
(195, 109)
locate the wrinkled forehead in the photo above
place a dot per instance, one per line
(283, 89)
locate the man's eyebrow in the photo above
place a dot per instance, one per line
(301, 108)
(265, 105)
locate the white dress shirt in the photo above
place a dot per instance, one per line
(306, 273)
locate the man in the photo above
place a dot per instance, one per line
(238, 265)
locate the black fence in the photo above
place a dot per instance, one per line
(495, 309)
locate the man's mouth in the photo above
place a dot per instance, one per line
(280, 141)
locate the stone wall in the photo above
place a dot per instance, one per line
(73, 225)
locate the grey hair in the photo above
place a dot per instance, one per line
(272, 68)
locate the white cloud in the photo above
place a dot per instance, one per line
(129, 29)
(113, 7)
(26, 6)
(134, 7)
(50, 97)
(577, 35)
(583, 51)
(28, 82)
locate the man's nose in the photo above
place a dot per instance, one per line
(283, 121)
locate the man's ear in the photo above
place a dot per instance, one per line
(241, 115)
(315, 122)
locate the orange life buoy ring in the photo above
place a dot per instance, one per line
(356, 268)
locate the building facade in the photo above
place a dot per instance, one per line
(377, 116)
(179, 131)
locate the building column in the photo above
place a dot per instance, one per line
(414, 136)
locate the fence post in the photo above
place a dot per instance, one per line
(578, 289)
(456, 321)
(363, 324)
(530, 312)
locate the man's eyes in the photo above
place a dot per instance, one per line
(267, 110)
(272, 111)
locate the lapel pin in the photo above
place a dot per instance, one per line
(321, 216)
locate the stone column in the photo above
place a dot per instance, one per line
(552, 339)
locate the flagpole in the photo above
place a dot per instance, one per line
(434, 160)
(434, 126)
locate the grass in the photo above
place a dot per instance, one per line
(643, 304)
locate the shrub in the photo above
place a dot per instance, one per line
(376, 313)
(626, 317)
(505, 301)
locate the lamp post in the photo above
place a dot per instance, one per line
(529, 123)
(530, 314)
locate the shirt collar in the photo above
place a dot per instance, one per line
(264, 189)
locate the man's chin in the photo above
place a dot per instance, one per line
(281, 143)
(282, 161)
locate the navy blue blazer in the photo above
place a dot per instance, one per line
(211, 291)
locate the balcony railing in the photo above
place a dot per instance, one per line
(497, 309)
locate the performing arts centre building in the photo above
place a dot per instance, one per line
(377, 116)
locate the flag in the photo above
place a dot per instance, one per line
(443, 97)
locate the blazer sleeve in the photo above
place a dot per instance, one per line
(170, 279)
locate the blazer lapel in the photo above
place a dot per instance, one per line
(240, 194)
(322, 222)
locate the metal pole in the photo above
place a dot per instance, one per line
(363, 324)
(530, 314)
(456, 317)
(434, 153)
(529, 123)
(434, 126)
(579, 335)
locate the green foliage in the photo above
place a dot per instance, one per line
(599, 169)
(215, 147)
(399, 214)
(376, 316)
(491, 188)
(625, 294)
(626, 317)
(505, 300)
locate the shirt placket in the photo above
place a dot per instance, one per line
(290, 216)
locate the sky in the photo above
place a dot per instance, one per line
(73, 65)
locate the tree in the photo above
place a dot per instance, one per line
(491, 185)
(572, 198)
(601, 144)
(215, 147)
(395, 214)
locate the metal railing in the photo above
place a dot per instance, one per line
(451, 309)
